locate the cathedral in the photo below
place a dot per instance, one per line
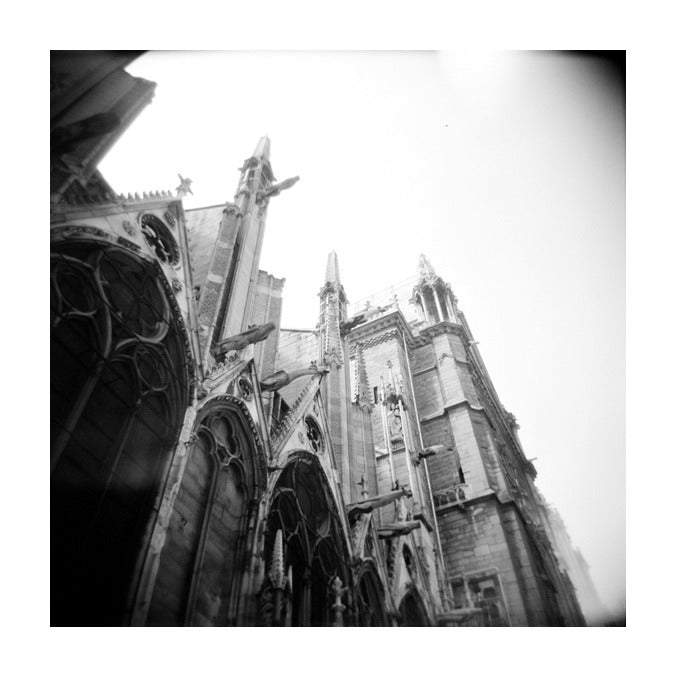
(211, 468)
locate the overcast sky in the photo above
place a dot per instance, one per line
(505, 169)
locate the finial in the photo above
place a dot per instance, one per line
(338, 607)
(363, 483)
(277, 577)
(425, 269)
(263, 148)
(332, 271)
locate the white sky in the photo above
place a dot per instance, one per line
(506, 169)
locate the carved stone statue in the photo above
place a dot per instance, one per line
(253, 334)
(184, 187)
(276, 188)
(282, 378)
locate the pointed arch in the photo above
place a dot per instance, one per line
(203, 562)
(369, 598)
(120, 383)
(412, 612)
(316, 551)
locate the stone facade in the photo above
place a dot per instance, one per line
(211, 468)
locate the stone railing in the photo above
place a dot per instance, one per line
(453, 494)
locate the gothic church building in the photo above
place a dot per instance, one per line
(211, 468)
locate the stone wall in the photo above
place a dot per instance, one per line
(267, 308)
(202, 226)
(475, 545)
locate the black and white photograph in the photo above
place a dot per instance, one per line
(337, 339)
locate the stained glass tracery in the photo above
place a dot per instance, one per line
(314, 543)
(118, 394)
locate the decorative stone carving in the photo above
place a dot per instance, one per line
(313, 434)
(159, 239)
(59, 232)
(277, 577)
(245, 388)
(184, 187)
(129, 228)
(338, 607)
(275, 189)
(128, 244)
(176, 284)
(282, 378)
(363, 483)
(449, 496)
(169, 218)
(253, 334)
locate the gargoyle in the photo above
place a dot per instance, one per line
(282, 378)
(368, 313)
(398, 529)
(254, 334)
(432, 449)
(276, 189)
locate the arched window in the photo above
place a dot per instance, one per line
(369, 610)
(119, 390)
(441, 295)
(409, 562)
(411, 611)
(159, 238)
(205, 553)
(430, 302)
(315, 549)
(314, 435)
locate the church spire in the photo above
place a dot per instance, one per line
(262, 151)
(333, 311)
(332, 271)
(333, 352)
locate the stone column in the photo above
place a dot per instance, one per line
(449, 303)
(428, 317)
(438, 304)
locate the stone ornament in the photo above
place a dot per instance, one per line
(184, 187)
(253, 334)
(158, 238)
(245, 389)
(275, 189)
(282, 378)
(169, 218)
(176, 284)
(129, 228)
